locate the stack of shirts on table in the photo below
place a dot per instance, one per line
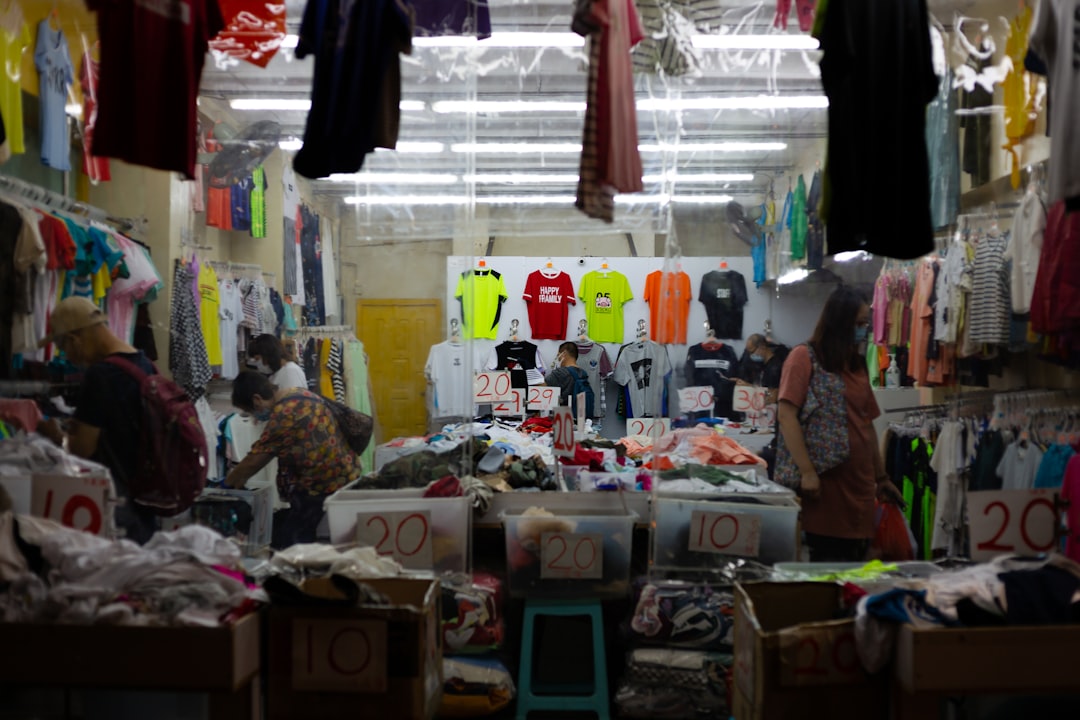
(53, 574)
(685, 634)
(475, 682)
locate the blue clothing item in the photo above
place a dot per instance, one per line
(240, 194)
(53, 62)
(943, 150)
(759, 250)
(1052, 468)
(906, 606)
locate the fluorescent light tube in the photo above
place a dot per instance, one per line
(395, 178)
(759, 102)
(703, 199)
(292, 144)
(700, 177)
(371, 200)
(505, 40)
(415, 147)
(299, 104)
(515, 148)
(715, 147)
(507, 106)
(520, 179)
(755, 42)
(793, 276)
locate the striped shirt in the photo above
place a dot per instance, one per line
(990, 301)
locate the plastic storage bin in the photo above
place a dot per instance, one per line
(218, 508)
(573, 540)
(718, 540)
(450, 524)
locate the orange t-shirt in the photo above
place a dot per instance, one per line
(219, 207)
(669, 306)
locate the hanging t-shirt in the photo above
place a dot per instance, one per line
(1025, 246)
(723, 293)
(604, 292)
(481, 294)
(53, 63)
(1019, 466)
(594, 360)
(714, 365)
(209, 307)
(329, 269)
(669, 305)
(549, 296)
(990, 305)
(522, 359)
(446, 369)
(231, 311)
(14, 39)
(240, 204)
(642, 369)
(258, 202)
(219, 206)
(152, 56)
(95, 168)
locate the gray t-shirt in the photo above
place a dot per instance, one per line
(1019, 466)
(1053, 38)
(642, 368)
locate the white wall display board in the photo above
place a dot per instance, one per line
(793, 315)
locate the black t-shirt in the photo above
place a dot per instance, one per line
(110, 400)
(717, 366)
(723, 293)
(518, 358)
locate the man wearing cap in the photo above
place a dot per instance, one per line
(106, 423)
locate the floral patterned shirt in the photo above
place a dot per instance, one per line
(313, 457)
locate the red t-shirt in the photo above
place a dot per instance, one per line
(549, 298)
(59, 246)
(152, 54)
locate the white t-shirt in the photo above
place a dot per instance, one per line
(288, 376)
(1019, 466)
(1025, 246)
(245, 430)
(448, 371)
(1053, 38)
(231, 312)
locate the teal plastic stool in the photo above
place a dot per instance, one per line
(591, 698)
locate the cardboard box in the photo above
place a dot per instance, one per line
(988, 660)
(794, 660)
(369, 661)
(222, 659)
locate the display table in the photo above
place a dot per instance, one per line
(938, 663)
(222, 662)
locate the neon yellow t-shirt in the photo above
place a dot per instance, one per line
(604, 292)
(209, 310)
(14, 39)
(481, 293)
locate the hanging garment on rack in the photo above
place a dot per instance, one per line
(594, 360)
(187, 348)
(1053, 40)
(258, 202)
(715, 365)
(357, 85)
(668, 296)
(481, 293)
(952, 454)
(154, 53)
(878, 57)
(310, 362)
(815, 226)
(358, 390)
(990, 291)
(1025, 245)
(210, 313)
(30, 260)
(976, 124)
(521, 358)
(53, 63)
(1070, 489)
(95, 168)
(336, 365)
(314, 311)
(231, 309)
(10, 227)
(1052, 468)
(908, 463)
(446, 368)
(290, 236)
(643, 368)
(548, 295)
(329, 270)
(723, 293)
(219, 204)
(14, 39)
(240, 204)
(943, 150)
(1019, 465)
(603, 294)
(988, 457)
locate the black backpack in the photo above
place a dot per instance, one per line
(582, 385)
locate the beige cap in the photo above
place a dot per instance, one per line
(71, 314)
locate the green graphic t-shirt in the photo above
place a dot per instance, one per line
(604, 292)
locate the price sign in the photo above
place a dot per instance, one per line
(725, 533)
(820, 656)
(514, 406)
(491, 387)
(752, 401)
(696, 399)
(77, 502)
(571, 556)
(652, 427)
(543, 398)
(402, 535)
(340, 655)
(1012, 521)
(562, 429)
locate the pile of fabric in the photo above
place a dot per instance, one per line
(683, 670)
(53, 574)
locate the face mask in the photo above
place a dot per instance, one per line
(260, 366)
(757, 358)
(861, 333)
(262, 415)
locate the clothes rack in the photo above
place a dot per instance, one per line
(57, 201)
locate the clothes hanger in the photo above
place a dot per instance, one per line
(642, 331)
(582, 327)
(514, 324)
(711, 341)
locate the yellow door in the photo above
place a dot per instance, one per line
(397, 335)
